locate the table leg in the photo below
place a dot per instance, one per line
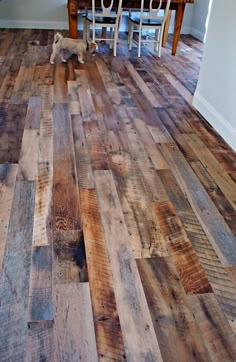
(178, 23)
(166, 29)
(73, 18)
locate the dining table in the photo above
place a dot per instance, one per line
(176, 5)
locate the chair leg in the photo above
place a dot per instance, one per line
(139, 42)
(111, 37)
(131, 36)
(115, 41)
(160, 43)
(93, 33)
(128, 32)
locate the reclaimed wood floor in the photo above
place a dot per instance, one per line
(117, 209)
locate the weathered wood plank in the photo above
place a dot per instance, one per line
(109, 338)
(69, 263)
(220, 281)
(146, 238)
(7, 184)
(212, 222)
(60, 90)
(39, 343)
(137, 328)
(14, 283)
(33, 116)
(82, 157)
(192, 274)
(215, 193)
(74, 335)
(214, 168)
(216, 331)
(28, 162)
(175, 325)
(40, 290)
(66, 209)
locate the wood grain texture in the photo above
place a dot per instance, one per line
(39, 341)
(137, 327)
(14, 291)
(33, 116)
(213, 224)
(172, 318)
(7, 184)
(28, 162)
(216, 331)
(73, 324)
(109, 337)
(40, 290)
(65, 189)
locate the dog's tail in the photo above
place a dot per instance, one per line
(57, 37)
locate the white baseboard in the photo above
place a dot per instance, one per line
(27, 24)
(197, 34)
(221, 125)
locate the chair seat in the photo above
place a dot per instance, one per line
(102, 19)
(147, 22)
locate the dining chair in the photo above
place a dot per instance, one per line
(148, 19)
(104, 17)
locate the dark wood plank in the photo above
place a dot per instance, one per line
(66, 209)
(33, 115)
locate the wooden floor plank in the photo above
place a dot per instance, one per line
(65, 189)
(39, 344)
(28, 162)
(73, 324)
(40, 290)
(212, 222)
(137, 328)
(172, 318)
(216, 331)
(14, 282)
(32, 120)
(7, 184)
(109, 337)
(214, 168)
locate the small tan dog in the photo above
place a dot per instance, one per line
(74, 46)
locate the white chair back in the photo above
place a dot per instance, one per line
(153, 13)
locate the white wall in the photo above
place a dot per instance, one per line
(35, 14)
(215, 96)
(52, 14)
(198, 24)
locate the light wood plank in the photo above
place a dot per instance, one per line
(27, 170)
(14, 282)
(216, 331)
(107, 325)
(74, 335)
(40, 291)
(39, 344)
(137, 328)
(7, 184)
(214, 168)
(175, 325)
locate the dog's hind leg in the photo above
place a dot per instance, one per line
(62, 57)
(80, 58)
(52, 57)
